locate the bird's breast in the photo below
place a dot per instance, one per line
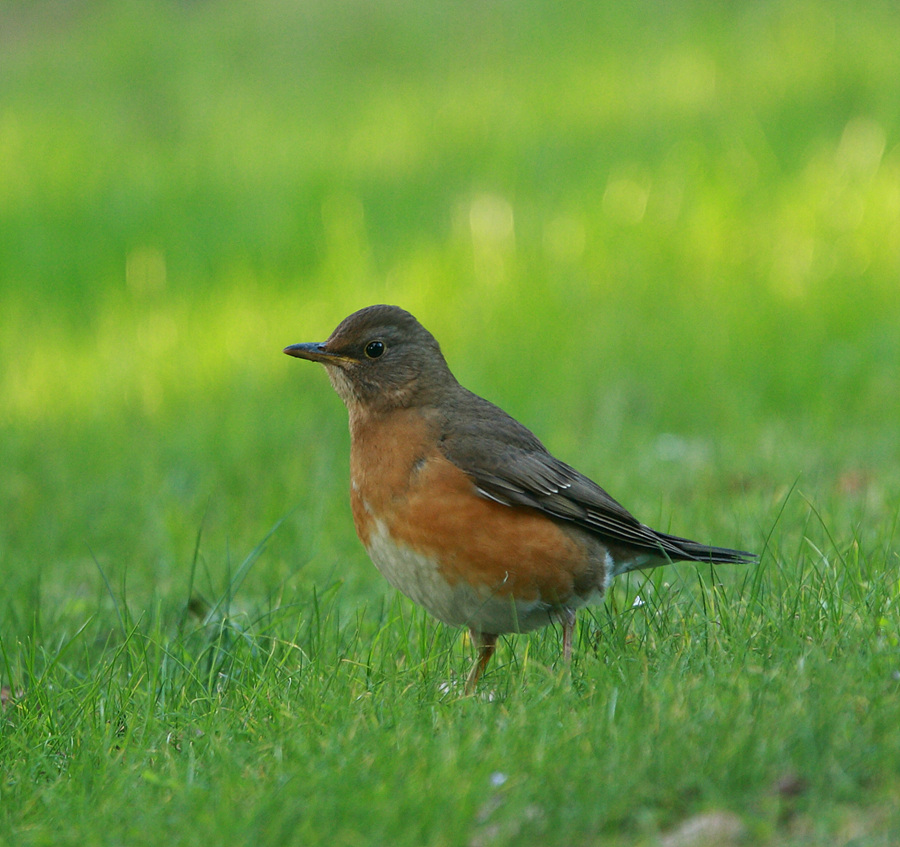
(466, 559)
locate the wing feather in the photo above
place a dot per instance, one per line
(508, 464)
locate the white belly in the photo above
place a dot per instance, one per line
(419, 578)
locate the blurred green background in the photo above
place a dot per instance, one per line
(665, 236)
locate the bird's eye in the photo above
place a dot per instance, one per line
(374, 349)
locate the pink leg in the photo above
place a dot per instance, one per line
(568, 623)
(487, 643)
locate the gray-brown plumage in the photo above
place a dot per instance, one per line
(463, 508)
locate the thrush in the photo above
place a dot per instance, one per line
(461, 507)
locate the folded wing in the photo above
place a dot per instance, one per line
(509, 464)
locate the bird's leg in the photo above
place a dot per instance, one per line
(568, 624)
(486, 643)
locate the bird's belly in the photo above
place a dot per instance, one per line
(468, 560)
(419, 577)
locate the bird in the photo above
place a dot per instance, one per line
(461, 507)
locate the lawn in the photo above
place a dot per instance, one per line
(665, 237)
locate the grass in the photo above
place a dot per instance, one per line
(666, 239)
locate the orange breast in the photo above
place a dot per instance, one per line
(403, 485)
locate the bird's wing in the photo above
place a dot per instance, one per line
(508, 464)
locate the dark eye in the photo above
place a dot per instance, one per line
(374, 349)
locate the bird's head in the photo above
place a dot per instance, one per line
(380, 357)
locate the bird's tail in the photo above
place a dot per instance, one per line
(684, 550)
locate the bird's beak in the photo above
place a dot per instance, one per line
(314, 351)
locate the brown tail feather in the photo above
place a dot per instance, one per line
(692, 551)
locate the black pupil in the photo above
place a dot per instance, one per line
(374, 349)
